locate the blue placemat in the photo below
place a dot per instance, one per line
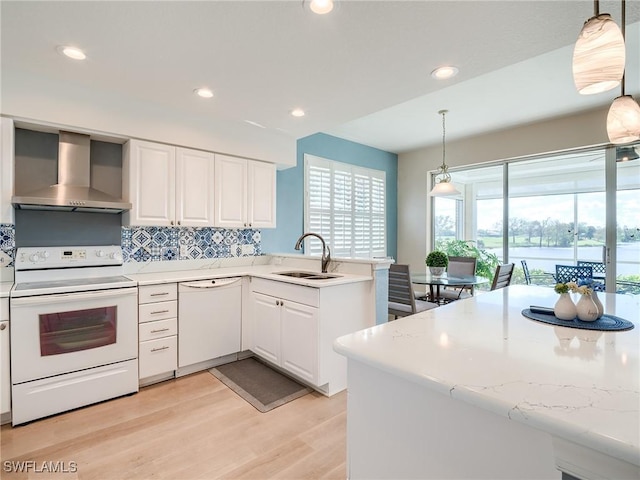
(607, 322)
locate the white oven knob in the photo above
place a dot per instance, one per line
(34, 257)
(100, 253)
(115, 256)
(44, 254)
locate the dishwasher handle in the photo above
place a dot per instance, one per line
(213, 283)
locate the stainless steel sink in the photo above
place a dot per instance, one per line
(308, 275)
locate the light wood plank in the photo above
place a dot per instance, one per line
(189, 428)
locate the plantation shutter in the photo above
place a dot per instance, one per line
(346, 205)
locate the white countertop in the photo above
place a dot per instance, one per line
(262, 271)
(578, 385)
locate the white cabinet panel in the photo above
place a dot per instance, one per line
(157, 293)
(149, 182)
(194, 188)
(245, 193)
(7, 149)
(262, 195)
(266, 327)
(5, 376)
(167, 185)
(231, 192)
(299, 338)
(157, 311)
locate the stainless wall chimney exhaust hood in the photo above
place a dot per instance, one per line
(73, 192)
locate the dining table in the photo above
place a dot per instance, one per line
(436, 281)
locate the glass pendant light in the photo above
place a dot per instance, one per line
(599, 55)
(623, 119)
(443, 186)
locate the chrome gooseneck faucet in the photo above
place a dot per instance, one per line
(326, 252)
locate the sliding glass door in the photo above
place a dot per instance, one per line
(552, 210)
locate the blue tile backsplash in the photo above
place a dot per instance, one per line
(142, 244)
(7, 243)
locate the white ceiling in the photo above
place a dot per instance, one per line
(361, 73)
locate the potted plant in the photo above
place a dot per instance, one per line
(437, 261)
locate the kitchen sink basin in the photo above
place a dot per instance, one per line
(308, 275)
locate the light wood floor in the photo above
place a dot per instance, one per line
(193, 427)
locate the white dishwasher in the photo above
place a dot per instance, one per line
(209, 319)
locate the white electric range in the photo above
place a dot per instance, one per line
(74, 330)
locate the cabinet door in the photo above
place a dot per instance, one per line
(151, 183)
(194, 188)
(230, 192)
(6, 169)
(299, 325)
(5, 378)
(266, 327)
(261, 204)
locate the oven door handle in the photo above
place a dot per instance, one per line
(65, 297)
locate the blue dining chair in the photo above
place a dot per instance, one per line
(573, 273)
(599, 269)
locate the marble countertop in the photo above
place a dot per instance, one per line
(578, 385)
(262, 271)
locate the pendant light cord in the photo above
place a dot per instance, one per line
(444, 166)
(624, 21)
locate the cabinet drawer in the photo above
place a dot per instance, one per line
(287, 291)
(158, 356)
(157, 311)
(157, 293)
(158, 329)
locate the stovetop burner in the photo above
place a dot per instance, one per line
(52, 270)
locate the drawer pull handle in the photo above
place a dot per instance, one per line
(159, 330)
(159, 294)
(158, 349)
(3, 326)
(159, 311)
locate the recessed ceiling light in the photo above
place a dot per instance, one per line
(297, 112)
(203, 92)
(321, 6)
(444, 72)
(71, 52)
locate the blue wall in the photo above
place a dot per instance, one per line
(290, 188)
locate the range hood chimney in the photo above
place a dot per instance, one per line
(73, 192)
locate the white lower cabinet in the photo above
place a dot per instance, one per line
(5, 376)
(286, 334)
(158, 332)
(285, 327)
(294, 327)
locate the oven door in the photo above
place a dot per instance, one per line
(56, 334)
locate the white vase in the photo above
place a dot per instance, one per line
(436, 271)
(598, 303)
(587, 309)
(565, 309)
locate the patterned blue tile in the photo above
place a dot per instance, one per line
(169, 253)
(141, 244)
(7, 243)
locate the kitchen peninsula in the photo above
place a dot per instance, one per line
(475, 390)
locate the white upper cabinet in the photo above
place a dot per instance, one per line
(194, 187)
(6, 169)
(261, 202)
(167, 185)
(245, 193)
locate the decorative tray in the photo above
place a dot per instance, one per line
(609, 323)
